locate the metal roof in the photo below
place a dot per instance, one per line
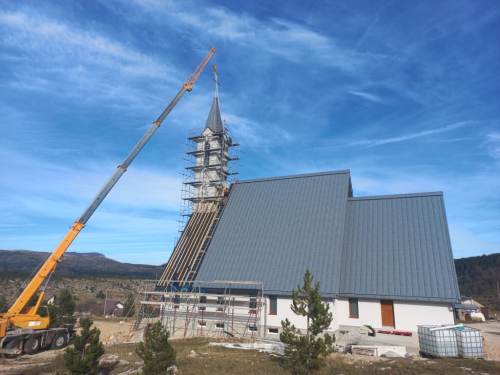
(398, 247)
(273, 229)
(390, 247)
(466, 306)
(214, 120)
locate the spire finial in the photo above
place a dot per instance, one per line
(216, 82)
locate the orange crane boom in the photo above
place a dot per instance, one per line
(14, 316)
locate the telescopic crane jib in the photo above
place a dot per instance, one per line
(29, 319)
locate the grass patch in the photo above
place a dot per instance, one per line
(225, 361)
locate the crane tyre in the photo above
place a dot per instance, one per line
(32, 345)
(59, 341)
(14, 344)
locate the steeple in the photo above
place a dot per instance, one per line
(210, 157)
(214, 120)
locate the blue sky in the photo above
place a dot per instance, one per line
(404, 94)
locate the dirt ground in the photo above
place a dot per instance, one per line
(491, 334)
(113, 328)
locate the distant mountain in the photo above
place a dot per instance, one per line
(478, 277)
(75, 264)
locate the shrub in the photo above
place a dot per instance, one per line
(156, 352)
(86, 352)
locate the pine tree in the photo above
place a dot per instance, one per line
(307, 353)
(62, 310)
(86, 352)
(129, 306)
(156, 352)
(100, 294)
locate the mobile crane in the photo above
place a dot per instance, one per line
(26, 328)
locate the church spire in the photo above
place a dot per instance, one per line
(214, 120)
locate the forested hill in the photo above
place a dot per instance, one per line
(75, 264)
(478, 277)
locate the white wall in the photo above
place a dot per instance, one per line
(369, 313)
(407, 314)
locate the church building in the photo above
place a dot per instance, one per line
(383, 261)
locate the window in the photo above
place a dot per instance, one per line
(252, 328)
(273, 306)
(202, 323)
(219, 325)
(353, 308)
(273, 331)
(220, 301)
(203, 299)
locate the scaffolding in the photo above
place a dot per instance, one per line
(204, 309)
(198, 153)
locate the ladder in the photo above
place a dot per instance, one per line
(140, 314)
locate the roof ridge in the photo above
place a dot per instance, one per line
(395, 196)
(294, 176)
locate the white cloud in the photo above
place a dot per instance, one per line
(257, 136)
(44, 37)
(493, 144)
(406, 137)
(367, 96)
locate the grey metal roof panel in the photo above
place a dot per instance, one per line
(272, 230)
(214, 120)
(398, 247)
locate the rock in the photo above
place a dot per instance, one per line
(391, 354)
(124, 362)
(173, 370)
(465, 368)
(129, 372)
(112, 342)
(130, 353)
(192, 354)
(109, 360)
(383, 368)
(139, 363)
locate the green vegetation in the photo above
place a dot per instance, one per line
(371, 331)
(308, 353)
(84, 356)
(478, 277)
(156, 352)
(129, 306)
(100, 294)
(61, 312)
